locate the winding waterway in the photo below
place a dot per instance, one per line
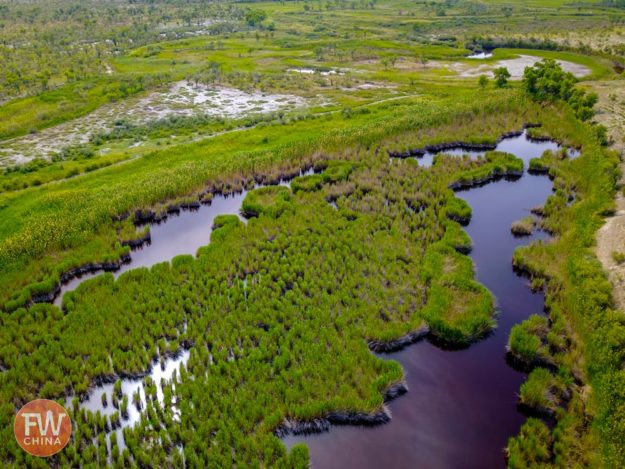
(461, 407)
(182, 233)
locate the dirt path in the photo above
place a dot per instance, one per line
(611, 236)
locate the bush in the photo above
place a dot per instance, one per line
(525, 341)
(307, 183)
(271, 200)
(337, 171)
(538, 165)
(531, 448)
(501, 77)
(255, 17)
(221, 221)
(458, 210)
(546, 81)
(618, 257)
(535, 392)
(523, 227)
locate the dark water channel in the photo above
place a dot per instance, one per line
(520, 146)
(461, 407)
(182, 233)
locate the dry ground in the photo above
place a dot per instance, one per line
(611, 237)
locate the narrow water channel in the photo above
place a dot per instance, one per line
(160, 373)
(461, 407)
(182, 233)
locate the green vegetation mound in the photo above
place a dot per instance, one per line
(271, 201)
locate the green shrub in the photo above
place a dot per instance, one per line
(271, 201)
(535, 391)
(546, 81)
(524, 226)
(458, 210)
(531, 448)
(337, 171)
(525, 340)
(309, 183)
(221, 221)
(538, 165)
(618, 257)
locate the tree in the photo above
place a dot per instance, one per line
(255, 17)
(483, 81)
(501, 77)
(187, 18)
(389, 62)
(547, 81)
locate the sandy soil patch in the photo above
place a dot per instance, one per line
(611, 236)
(186, 99)
(370, 85)
(610, 239)
(515, 66)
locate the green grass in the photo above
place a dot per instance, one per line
(536, 391)
(271, 201)
(525, 341)
(532, 447)
(44, 235)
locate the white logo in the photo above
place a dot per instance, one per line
(43, 430)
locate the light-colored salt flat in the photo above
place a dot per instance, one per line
(515, 66)
(181, 99)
